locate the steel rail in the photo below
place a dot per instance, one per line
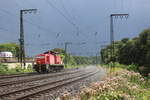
(16, 75)
(36, 78)
(47, 86)
(61, 84)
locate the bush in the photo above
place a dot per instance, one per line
(3, 68)
(29, 66)
(120, 85)
(106, 96)
(131, 67)
(18, 69)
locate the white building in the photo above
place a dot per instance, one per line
(6, 54)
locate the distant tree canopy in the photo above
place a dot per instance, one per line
(134, 51)
(59, 50)
(11, 47)
(75, 60)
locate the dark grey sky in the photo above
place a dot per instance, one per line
(48, 28)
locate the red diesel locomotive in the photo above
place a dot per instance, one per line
(48, 62)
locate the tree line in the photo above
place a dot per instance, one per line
(130, 51)
(77, 60)
(11, 47)
(71, 60)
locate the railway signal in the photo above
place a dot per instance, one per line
(21, 40)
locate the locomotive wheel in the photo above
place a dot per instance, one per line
(58, 68)
(48, 68)
(41, 69)
(36, 68)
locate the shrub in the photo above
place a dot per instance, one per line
(29, 66)
(131, 67)
(120, 85)
(17, 69)
(3, 68)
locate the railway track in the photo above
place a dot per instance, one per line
(27, 93)
(38, 77)
(16, 75)
(21, 75)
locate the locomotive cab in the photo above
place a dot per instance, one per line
(48, 62)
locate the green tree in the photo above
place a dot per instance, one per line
(11, 47)
(134, 51)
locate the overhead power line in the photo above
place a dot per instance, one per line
(62, 14)
(51, 4)
(34, 6)
(6, 31)
(69, 15)
(27, 2)
(64, 8)
(27, 21)
(3, 29)
(38, 26)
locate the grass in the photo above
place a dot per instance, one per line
(117, 65)
(120, 84)
(5, 70)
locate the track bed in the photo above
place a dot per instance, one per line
(36, 86)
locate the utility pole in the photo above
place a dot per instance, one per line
(21, 40)
(66, 45)
(112, 33)
(66, 57)
(97, 58)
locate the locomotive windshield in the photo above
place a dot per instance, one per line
(40, 57)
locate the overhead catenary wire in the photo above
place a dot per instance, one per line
(65, 10)
(38, 26)
(70, 16)
(67, 19)
(33, 5)
(3, 29)
(27, 2)
(62, 14)
(31, 21)
(27, 21)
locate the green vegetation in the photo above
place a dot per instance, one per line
(12, 47)
(131, 67)
(118, 85)
(130, 57)
(124, 82)
(76, 61)
(72, 61)
(135, 51)
(5, 70)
